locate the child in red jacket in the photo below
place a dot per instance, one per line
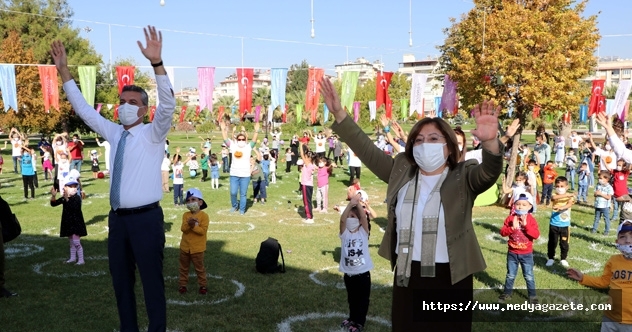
(522, 229)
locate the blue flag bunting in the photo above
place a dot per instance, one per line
(8, 88)
(278, 77)
(325, 113)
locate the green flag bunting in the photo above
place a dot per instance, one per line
(299, 113)
(349, 86)
(404, 107)
(88, 81)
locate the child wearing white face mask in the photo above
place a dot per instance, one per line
(603, 195)
(73, 225)
(355, 263)
(521, 228)
(521, 185)
(560, 221)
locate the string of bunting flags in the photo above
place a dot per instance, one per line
(448, 102)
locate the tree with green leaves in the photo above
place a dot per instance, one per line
(522, 54)
(297, 77)
(37, 23)
(30, 115)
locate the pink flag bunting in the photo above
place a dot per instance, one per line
(206, 77)
(356, 111)
(448, 99)
(257, 112)
(98, 109)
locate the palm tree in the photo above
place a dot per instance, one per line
(262, 97)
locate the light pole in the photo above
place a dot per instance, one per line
(312, 20)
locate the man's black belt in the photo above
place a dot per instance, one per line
(136, 210)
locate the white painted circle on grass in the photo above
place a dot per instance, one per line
(21, 250)
(286, 325)
(249, 213)
(238, 292)
(340, 284)
(37, 268)
(299, 222)
(246, 226)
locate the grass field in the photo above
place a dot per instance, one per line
(310, 297)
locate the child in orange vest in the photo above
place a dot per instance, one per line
(547, 182)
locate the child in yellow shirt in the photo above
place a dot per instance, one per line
(193, 242)
(616, 275)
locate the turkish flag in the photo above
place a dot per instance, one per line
(152, 111)
(50, 90)
(597, 91)
(601, 104)
(115, 113)
(244, 81)
(382, 81)
(183, 113)
(315, 75)
(124, 76)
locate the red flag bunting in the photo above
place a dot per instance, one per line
(567, 117)
(284, 115)
(597, 91)
(183, 113)
(197, 110)
(115, 113)
(50, 90)
(536, 111)
(382, 81)
(124, 76)
(152, 111)
(313, 92)
(245, 80)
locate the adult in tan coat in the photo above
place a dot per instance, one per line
(429, 239)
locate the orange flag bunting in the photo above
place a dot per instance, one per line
(50, 90)
(313, 93)
(220, 113)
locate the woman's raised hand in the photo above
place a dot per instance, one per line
(332, 100)
(486, 115)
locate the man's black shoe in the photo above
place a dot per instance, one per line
(7, 293)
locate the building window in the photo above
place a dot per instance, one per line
(626, 72)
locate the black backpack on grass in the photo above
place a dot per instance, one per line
(268, 257)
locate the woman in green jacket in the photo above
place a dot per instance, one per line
(429, 238)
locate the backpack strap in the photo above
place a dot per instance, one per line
(282, 259)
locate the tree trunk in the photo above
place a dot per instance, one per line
(511, 169)
(565, 129)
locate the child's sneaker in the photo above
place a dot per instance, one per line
(182, 290)
(308, 221)
(550, 262)
(504, 297)
(346, 323)
(356, 328)
(564, 263)
(203, 290)
(533, 300)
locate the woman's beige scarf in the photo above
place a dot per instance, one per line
(430, 223)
